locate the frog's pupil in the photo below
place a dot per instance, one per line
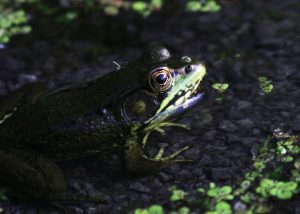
(161, 78)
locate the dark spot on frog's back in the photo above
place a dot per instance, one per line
(155, 53)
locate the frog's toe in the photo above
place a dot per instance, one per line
(175, 154)
(159, 162)
(160, 153)
(172, 158)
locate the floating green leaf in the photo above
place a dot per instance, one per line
(11, 24)
(154, 209)
(177, 194)
(182, 210)
(140, 7)
(259, 165)
(207, 6)
(265, 85)
(193, 6)
(220, 87)
(156, 3)
(220, 193)
(221, 208)
(210, 6)
(297, 163)
(279, 189)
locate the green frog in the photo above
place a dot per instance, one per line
(115, 112)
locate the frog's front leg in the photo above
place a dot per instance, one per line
(31, 174)
(138, 162)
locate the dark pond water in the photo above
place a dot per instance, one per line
(247, 39)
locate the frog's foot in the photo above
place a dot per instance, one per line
(159, 129)
(138, 162)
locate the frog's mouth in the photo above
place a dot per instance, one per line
(184, 94)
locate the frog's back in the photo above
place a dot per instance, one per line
(13, 103)
(41, 111)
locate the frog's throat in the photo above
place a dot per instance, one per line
(159, 119)
(182, 92)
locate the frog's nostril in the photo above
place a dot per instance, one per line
(188, 69)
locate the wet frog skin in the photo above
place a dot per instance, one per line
(115, 112)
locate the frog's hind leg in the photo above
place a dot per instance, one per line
(31, 174)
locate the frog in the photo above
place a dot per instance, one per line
(116, 112)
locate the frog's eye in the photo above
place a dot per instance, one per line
(160, 79)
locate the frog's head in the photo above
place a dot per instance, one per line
(171, 86)
(179, 88)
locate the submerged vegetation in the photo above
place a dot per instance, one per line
(13, 20)
(275, 175)
(15, 15)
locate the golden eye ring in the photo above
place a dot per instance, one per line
(160, 79)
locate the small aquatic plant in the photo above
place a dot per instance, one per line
(14, 17)
(266, 85)
(264, 182)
